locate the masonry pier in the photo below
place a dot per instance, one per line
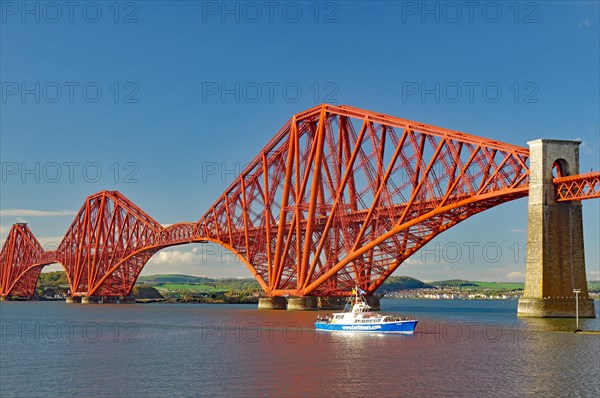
(331, 303)
(555, 255)
(272, 303)
(90, 300)
(302, 303)
(311, 303)
(101, 299)
(73, 299)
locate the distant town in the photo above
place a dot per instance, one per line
(186, 288)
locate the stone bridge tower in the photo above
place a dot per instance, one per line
(555, 256)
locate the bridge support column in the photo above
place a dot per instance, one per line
(302, 303)
(73, 299)
(555, 256)
(271, 303)
(311, 303)
(373, 302)
(117, 299)
(127, 299)
(332, 303)
(90, 299)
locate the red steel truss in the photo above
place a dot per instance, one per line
(583, 186)
(20, 251)
(342, 196)
(106, 230)
(103, 251)
(339, 197)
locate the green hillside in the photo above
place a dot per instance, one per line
(454, 283)
(146, 292)
(51, 283)
(476, 285)
(195, 284)
(172, 278)
(396, 283)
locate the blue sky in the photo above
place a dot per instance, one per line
(167, 101)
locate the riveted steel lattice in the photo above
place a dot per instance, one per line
(339, 197)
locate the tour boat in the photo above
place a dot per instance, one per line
(361, 319)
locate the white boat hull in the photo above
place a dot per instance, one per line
(404, 327)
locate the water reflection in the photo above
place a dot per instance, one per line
(561, 324)
(555, 361)
(459, 349)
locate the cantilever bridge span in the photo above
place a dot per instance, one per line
(339, 197)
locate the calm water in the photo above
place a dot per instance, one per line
(462, 348)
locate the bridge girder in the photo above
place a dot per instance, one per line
(339, 197)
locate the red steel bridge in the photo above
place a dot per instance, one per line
(339, 197)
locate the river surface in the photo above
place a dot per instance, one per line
(460, 348)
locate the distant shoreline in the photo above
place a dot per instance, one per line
(185, 288)
(172, 301)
